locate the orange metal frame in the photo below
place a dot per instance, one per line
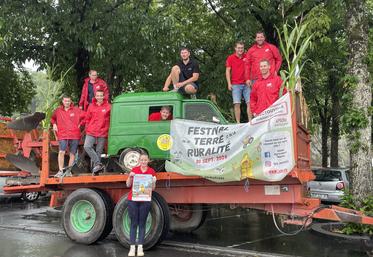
(179, 189)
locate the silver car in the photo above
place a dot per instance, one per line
(28, 197)
(329, 184)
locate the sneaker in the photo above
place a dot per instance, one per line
(132, 251)
(193, 96)
(140, 251)
(68, 173)
(59, 174)
(96, 169)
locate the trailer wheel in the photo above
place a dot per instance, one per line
(156, 224)
(129, 158)
(186, 218)
(84, 216)
(30, 196)
(109, 205)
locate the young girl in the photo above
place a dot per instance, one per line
(138, 211)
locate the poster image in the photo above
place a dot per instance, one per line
(142, 188)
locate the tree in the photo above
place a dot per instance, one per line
(359, 117)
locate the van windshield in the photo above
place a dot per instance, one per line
(328, 175)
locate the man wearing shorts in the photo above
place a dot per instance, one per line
(184, 75)
(66, 121)
(235, 75)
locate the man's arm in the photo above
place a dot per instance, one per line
(228, 77)
(106, 91)
(253, 101)
(83, 97)
(167, 83)
(248, 68)
(54, 120)
(277, 57)
(188, 81)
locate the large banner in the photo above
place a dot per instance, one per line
(261, 149)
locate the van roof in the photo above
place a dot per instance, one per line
(148, 96)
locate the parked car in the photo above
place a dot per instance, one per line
(329, 184)
(27, 196)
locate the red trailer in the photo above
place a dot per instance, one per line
(94, 205)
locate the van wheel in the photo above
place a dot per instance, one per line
(84, 216)
(157, 223)
(129, 158)
(186, 218)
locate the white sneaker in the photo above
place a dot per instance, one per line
(59, 174)
(140, 251)
(132, 250)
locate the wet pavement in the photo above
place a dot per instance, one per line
(30, 229)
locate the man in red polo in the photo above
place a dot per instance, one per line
(265, 90)
(259, 51)
(97, 122)
(90, 86)
(235, 75)
(66, 121)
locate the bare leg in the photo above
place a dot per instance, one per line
(249, 115)
(175, 72)
(72, 159)
(237, 112)
(61, 159)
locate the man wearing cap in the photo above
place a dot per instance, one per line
(90, 86)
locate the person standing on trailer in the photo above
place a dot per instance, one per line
(235, 75)
(90, 86)
(138, 211)
(97, 123)
(66, 121)
(259, 51)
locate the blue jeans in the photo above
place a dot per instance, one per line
(138, 212)
(240, 90)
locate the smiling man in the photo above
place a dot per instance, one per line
(184, 75)
(265, 90)
(259, 51)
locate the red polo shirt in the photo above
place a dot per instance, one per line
(237, 66)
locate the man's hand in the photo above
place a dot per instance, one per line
(178, 85)
(248, 83)
(131, 174)
(81, 107)
(55, 127)
(230, 87)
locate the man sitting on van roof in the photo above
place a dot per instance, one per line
(163, 114)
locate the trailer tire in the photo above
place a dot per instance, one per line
(84, 216)
(109, 205)
(30, 196)
(157, 222)
(187, 218)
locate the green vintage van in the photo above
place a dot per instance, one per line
(131, 132)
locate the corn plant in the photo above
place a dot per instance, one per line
(293, 44)
(50, 93)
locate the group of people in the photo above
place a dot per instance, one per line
(93, 113)
(253, 76)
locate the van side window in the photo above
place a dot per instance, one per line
(160, 113)
(200, 112)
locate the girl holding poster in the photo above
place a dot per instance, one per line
(142, 181)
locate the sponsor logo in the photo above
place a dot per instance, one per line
(269, 84)
(268, 163)
(267, 155)
(103, 110)
(267, 50)
(72, 114)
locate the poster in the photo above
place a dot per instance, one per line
(142, 188)
(261, 149)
